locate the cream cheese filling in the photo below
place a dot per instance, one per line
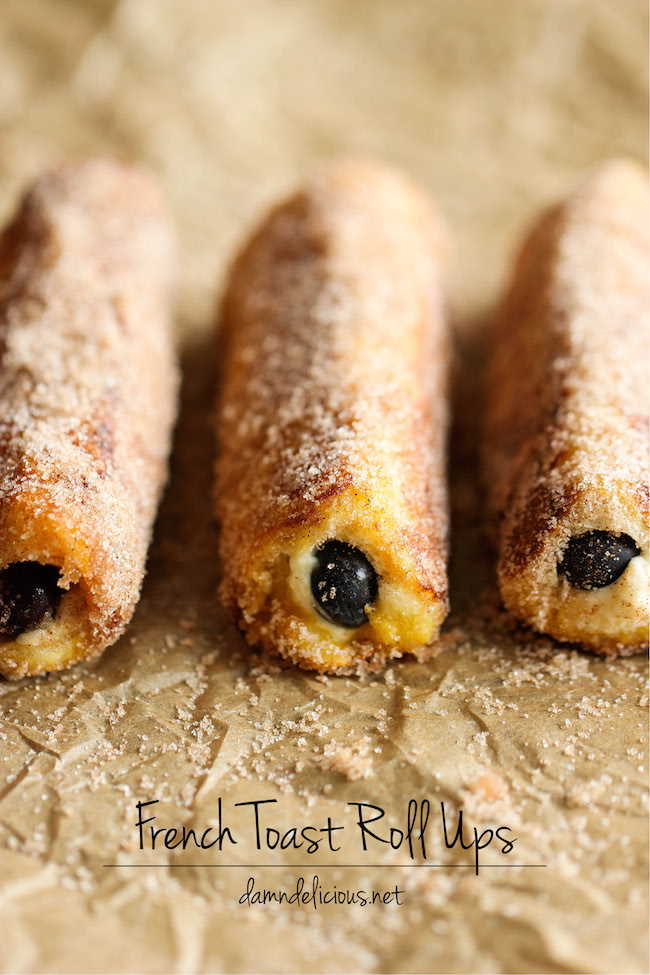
(398, 615)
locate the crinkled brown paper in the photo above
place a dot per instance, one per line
(497, 108)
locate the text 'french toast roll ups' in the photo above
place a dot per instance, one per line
(87, 399)
(330, 485)
(566, 444)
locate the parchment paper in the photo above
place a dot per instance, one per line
(496, 108)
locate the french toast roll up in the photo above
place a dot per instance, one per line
(567, 419)
(330, 481)
(88, 383)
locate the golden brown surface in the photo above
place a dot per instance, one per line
(566, 437)
(496, 109)
(87, 399)
(333, 417)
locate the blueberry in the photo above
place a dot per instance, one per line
(343, 583)
(28, 593)
(596, 559)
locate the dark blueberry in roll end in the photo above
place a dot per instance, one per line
(343, 583)
(596, 559)
(28, 593)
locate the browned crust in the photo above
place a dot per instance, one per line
(334, 387)
(87, 393)
(566, 424)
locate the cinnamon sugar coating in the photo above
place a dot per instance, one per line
(333, 414)
(88, 386)
(566, 440)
